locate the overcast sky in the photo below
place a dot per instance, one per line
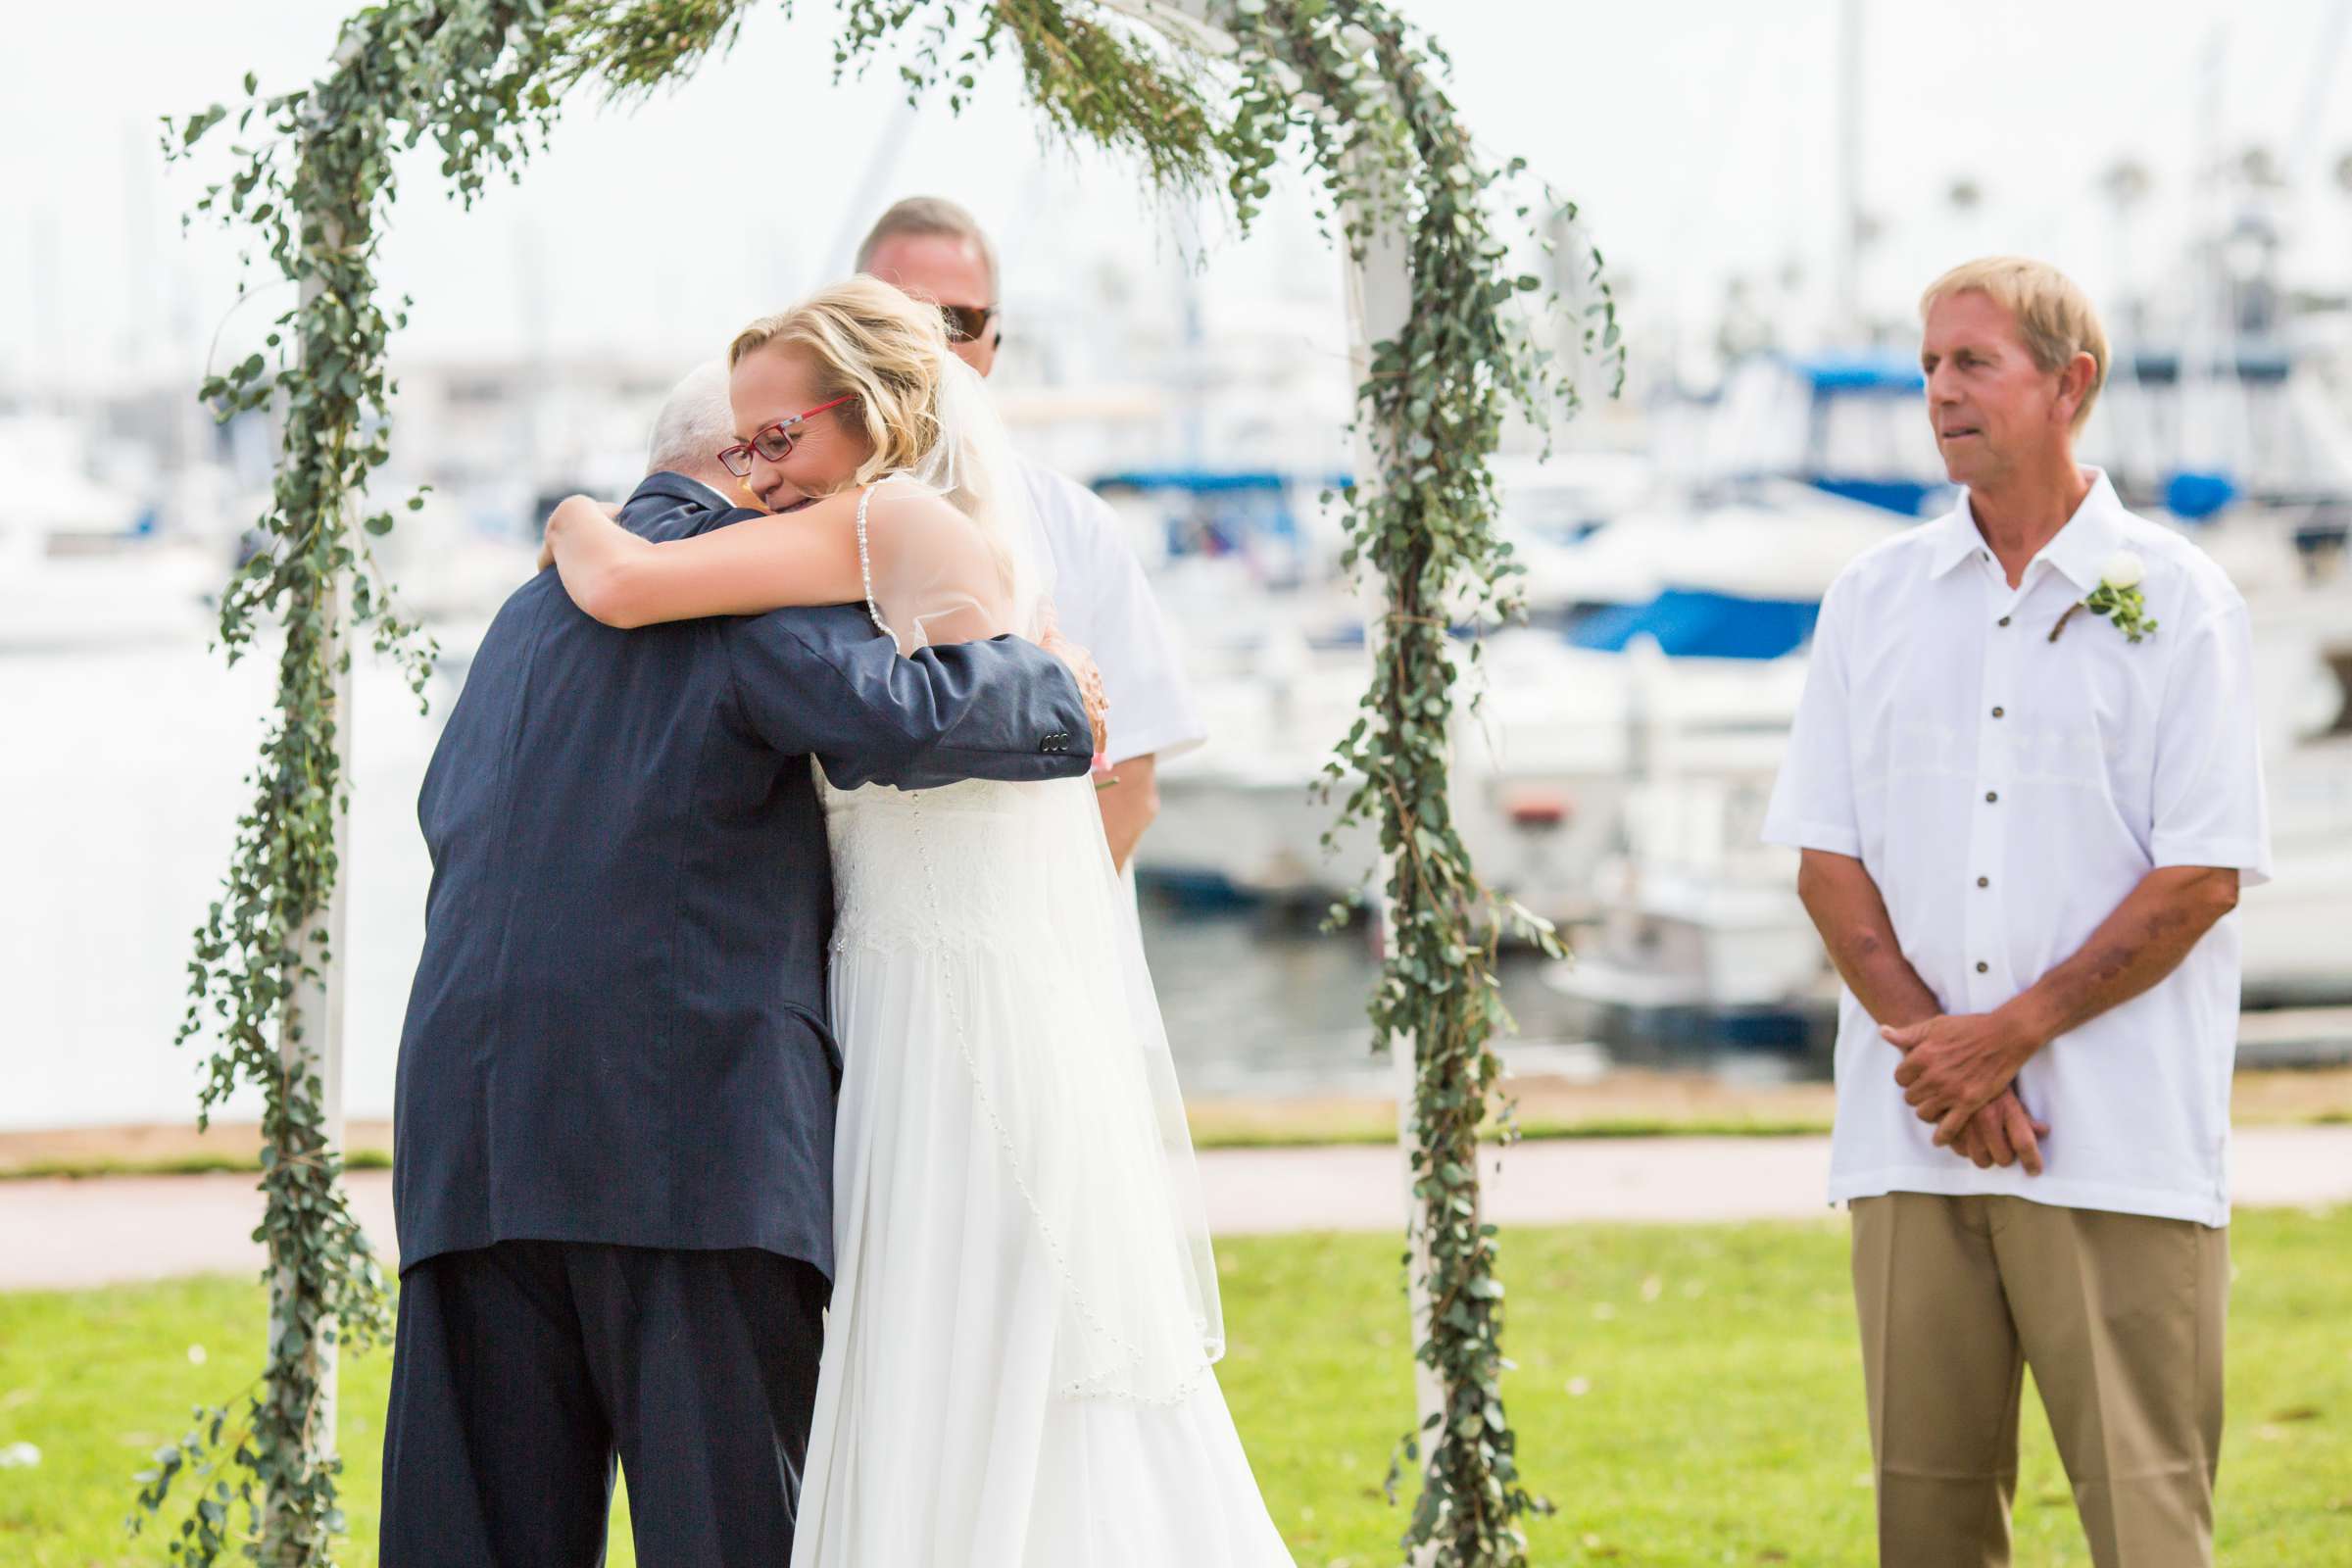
(1698, 135)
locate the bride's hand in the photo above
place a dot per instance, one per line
(1089, 681)
(570, 510)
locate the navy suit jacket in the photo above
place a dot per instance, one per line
(619, 1027)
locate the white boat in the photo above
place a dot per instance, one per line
(1543, 760)
(1726, 581)
(80, 564)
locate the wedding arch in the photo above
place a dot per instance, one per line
(1202, 95)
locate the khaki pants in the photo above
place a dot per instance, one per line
(2120, 1317)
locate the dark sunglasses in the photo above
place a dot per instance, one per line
(774, 442)
(966, 320)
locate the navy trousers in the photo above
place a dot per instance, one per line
(524, 1369)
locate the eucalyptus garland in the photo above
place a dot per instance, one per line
(1363, 89)
(484, 81)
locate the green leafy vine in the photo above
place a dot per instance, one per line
(1365, 91)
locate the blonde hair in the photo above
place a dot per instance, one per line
(869, 342)
(932, 215)
(2054, 314)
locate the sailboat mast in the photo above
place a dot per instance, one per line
(1849, 323)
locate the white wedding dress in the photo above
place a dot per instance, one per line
(1018, 1361)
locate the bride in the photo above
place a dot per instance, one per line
(1017, 1369)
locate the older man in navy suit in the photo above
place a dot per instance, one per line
(614, 1132)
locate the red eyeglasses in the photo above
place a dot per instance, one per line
(774, 442)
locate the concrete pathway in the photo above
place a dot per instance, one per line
(70, 1234)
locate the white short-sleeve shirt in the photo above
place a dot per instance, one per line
(1107, 607)
(2007, 792)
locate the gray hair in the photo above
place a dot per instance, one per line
(694, 421)
(928, 215)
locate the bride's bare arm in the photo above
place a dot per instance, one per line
(807, 556)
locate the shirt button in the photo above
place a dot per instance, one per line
(1991, 796)
(2004, 620)
(1983, 881)
(1983, 966)
(1996, 712)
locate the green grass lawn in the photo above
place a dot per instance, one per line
(1688, 1395)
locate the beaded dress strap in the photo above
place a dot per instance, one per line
(865, 566)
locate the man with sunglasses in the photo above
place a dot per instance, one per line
(935, 250)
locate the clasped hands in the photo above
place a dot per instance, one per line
(1959, 1071)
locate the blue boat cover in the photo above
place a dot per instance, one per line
(1867, 371)
(1690, 624)
(2195, 496)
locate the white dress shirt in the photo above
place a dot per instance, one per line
(1107, 607)
(2006, 793)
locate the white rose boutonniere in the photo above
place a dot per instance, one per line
(2117, 597)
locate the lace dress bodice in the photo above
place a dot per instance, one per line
(949, 869)
(953, 868)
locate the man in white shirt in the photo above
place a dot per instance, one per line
(935, 250)
(2027, 785)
